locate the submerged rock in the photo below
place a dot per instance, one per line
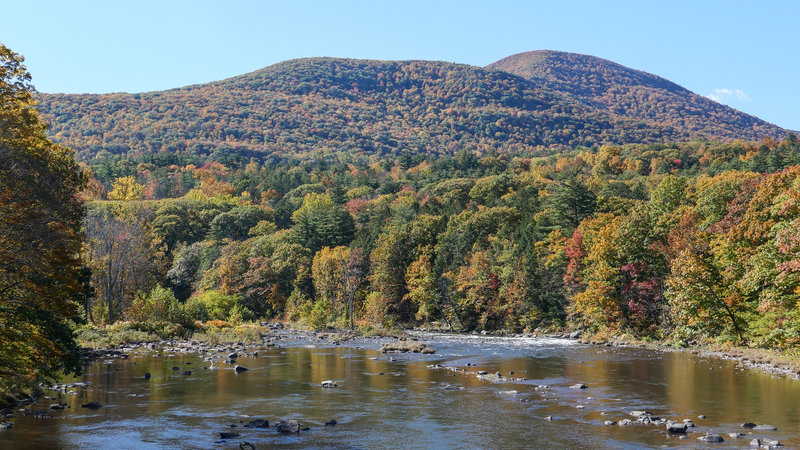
(288, 426)
(258, 423)
(736, 435)
(329, 384)
(331, 423)
(92, 405)
(229, 435)
(240, 369)
(578, 386)
(147, 376)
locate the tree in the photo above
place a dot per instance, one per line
(40, 240)
(319, 222)
(123, 256)
(422, 288)
(126, 189)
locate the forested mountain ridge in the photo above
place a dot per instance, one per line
(635, 94)
(305, 106)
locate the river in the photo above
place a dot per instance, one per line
(405, 401)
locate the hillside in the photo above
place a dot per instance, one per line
(616, 89)
(396, 107)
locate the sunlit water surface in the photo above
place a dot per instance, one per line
(390, 401)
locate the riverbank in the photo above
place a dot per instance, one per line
(220, 333)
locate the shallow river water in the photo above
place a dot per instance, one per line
(398, 401)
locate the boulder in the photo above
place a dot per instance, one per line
(711, 438)
(765, 428)
(610, 422)
(240, 369)
(755, 443)
(329, 384)
(57, 406)
(258, 423)
(578, 386)
(748, 425)
(678, 428)
(625, 422)
(288, 426)
(233, 355)
(736, 435)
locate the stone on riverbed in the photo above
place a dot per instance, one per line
(711, 438)
(288, 426)
(679, 428)
(765, 428)
(92, 405)
(258, 423)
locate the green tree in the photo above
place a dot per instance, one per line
(40, 240)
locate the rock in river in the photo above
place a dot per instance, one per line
(258, 423)
(240, 369)
(765, 428)
(92, 405)
(578, 386)
(331, 423)
(330, 384)
(677, 427)
(229, 435)
(711, 438)
(288, 426)
(748, 425)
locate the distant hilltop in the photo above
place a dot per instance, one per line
(523, 103)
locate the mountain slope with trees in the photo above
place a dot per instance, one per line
(619, 90)
(318, 105)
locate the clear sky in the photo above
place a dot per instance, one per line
(742, 53)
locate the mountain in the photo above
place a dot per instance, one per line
(619, 90)
(524, 103)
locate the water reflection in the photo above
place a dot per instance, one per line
(404, 403)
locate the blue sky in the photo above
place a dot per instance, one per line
(741, 53)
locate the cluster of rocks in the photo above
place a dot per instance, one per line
(291, 426)
(493, 377)
(404, 346)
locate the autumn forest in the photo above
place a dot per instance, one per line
(521, 197)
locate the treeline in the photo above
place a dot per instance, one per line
(691, 240)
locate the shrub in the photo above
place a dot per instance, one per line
(318, 318)
(217, 304)
(239, 314)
